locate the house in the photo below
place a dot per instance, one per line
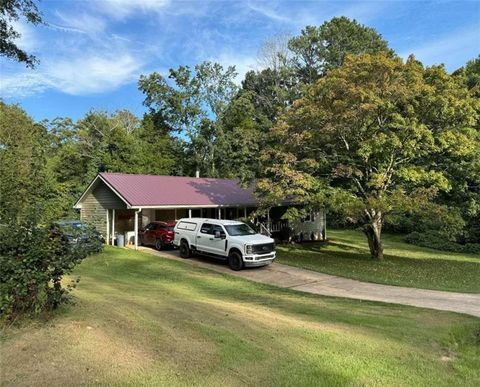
(124, 203)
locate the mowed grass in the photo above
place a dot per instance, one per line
(143, 320)
(346, 254)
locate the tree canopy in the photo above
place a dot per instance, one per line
(372, 138)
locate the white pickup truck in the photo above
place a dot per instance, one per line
(230, 240)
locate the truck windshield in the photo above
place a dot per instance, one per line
(239, 229)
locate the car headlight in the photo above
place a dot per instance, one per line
(248, 249)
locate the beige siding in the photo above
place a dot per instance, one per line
(95, 205)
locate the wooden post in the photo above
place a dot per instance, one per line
(113, 226)
(137, 212)
(269, 226)
(107, 237)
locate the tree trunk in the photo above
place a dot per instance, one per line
(373, 232)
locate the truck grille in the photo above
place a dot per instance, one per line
(263, 248)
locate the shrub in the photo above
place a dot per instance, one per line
(33, 261)
(436, 240)
(447, 221)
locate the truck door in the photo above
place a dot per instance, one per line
(207, 242)
(203, 237)
(218, 244)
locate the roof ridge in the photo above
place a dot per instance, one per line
(184, 177)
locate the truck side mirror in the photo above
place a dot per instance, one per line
(219, 234)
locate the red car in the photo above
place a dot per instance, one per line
(158, 234)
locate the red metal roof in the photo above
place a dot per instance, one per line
(148, 190)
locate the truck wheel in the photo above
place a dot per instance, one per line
(235, 261)
(159, 244)
(185, 250)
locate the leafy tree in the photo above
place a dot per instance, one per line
(370, 139)
(271, 91)
(470, 74)
(100, 142)
(158, 152)
(291, 65)
(27, 188)
(242, 139)
(190, 104)
(320, 49)
(466, 173)
(12, 10)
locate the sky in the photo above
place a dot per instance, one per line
(92, 52)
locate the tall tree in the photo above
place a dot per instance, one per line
(10, 11)
(368, 138)
(466, 190)
(158, 152)
(241, 140)
(289, 67)
(27, 188)
(190, 103)
(320, 49)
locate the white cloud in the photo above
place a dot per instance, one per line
(23, 84)
(268, 12)
(88, 74)
(80, 22)
(95, 73)
(123, 8)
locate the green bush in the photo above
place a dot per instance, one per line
(436, 240)
(446, 221)
(33, 261)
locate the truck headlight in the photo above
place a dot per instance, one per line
(248, 249)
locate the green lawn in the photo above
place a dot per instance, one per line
(143, 320)
(346, 254)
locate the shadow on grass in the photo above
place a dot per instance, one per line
(152, 273)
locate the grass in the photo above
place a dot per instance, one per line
(346, 254)
(143, 320)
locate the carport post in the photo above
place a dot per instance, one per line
(219, 213)
(137, 212)
(245, 212)
(107, 237)
(189, 212)
(113, 226)
(176, 214)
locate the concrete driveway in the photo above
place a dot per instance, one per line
(329, 285)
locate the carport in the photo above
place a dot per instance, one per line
(117, 203)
